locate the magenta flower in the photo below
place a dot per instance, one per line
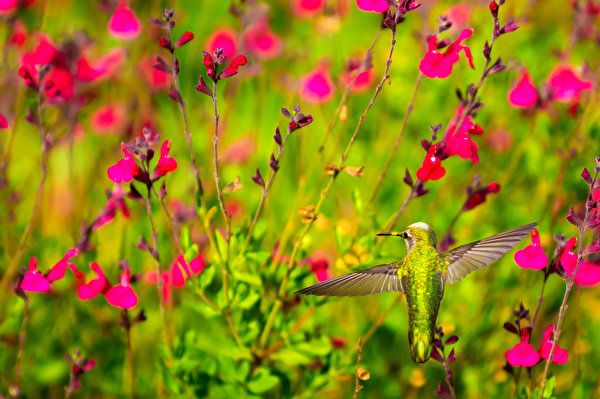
(125, 169)
(566, 85)
(523, 354)
(109, 118)
(180, 267)
(166, 164)
(363, 81)
(479, 197)
(3, 122)
(89, 71)
(155, 79)
(7, 6)
(437, 65)
(122, 295)
(316, 87)
(34, 281)
(560, 355)
(152, 277)
(532, 256)
(232, 68)
(95, 286)
(307, 8)
(568, 258)
(184, 39)
(523, 94)
(115, 202)
(225, 39)
(372, 5)
(588, 274)
(260, 40)
(320, 267)
(58, 270)
(432, 168)
(124, 24)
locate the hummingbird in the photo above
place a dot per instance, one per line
(421, 276)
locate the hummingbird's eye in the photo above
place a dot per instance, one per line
(405, 235)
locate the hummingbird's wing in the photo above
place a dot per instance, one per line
(479, 254)
(374, 280)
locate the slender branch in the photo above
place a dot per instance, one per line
(172, 223)
(130, 356)
(569, 285)
(357, 380)
(449, 379)
(323, 196)
(19, 371)
(539, 303)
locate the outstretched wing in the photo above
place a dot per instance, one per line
(479, 254)
(374, 280)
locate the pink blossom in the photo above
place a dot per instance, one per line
(19, 34)
(320, 267)
(316, 87)
(125, 169)
(3, 122)
(115, 202)
(523, 354)
(58, 270)
(566, 85)
(372, 5)
(89, 70)
(560, 355)
(523, 94)
(240, 150)
(568, 258)
(307, 8)
(432, 168)
(155, 79)
(166, 163)
(363, 81)
(437, 65)
(124, 24)
(109, 118)
(588, 274)
(260, 40)
(458, 140)
(479, 197)
(122, 295)
(34, 281)
(95, 286)
(7, 6)
(459, 14)
(232, 68)
(180, 270)
(533, 255)
(225, 39)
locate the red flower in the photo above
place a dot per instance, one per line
(307, 8)
(372, 5)
(155, 79)
(523, 354)
(19, 34)
(184, 39)
(180, 267)
(588, 274)
(459, 14)
(232, 68)
(115, 201)
(458, 141)
(316, 87)
(88, 70)
(109, 118)
(124, 24)
(166, 164)
(532, 256)
(3, 122)
(432, 168)
(58, 270)
(95, 286)
(479, 196)
(568, 258)
(260, 40)
(566, 84)
(122, 295)
(320, 267)
(437, 65)
(125, 169)
(34, 281)
(225, 39)
(523, 94)
(363, 81)
(560, 355)
(7, 6)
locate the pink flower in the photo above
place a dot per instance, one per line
(372, 5)
(479, 197)
(180, 267)
(155, 79)
(316, 87)
(240, 150)
(532, 256)
(95, 286)
(260, 40)
(523, 94)
(122, 295)
(125, 169)
(58, 270)
(432, 168)
(19, 34)
(338, 342)
(89, 70)
(124, 25)
(7, 6)
(115, 202)
(560, 355)
(459, 14)
(34, 281)
(566, 84)
(588, 274)
(320, 267)
(568, 258)
(3, 122)
(437, 65)
(458, 141)
(363, 81)
(109, 118)
(166, 163)
(184, 39)
(232, 68)
(224, 38)
(523, 354)
(307, 8)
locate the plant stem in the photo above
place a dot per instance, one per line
(323, 196)
(130, 357)
(358, 386)
(449, 378)
(539, 303)
(172, 223)
(18, 370)
(569, 285)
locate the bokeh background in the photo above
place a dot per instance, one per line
(535, 154)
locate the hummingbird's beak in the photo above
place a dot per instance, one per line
(389, 234)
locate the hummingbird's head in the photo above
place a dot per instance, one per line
(416, 233)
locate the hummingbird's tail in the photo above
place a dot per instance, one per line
(420, 345)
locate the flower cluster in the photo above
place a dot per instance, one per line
(176, 277)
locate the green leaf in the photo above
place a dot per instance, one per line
(549, 388)
(263, 382)
(221, 245)
(251, 279)
(186, 239)
(207, 276)
(291, 357)
(320, 347)
(251, 298)
(356, 198)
